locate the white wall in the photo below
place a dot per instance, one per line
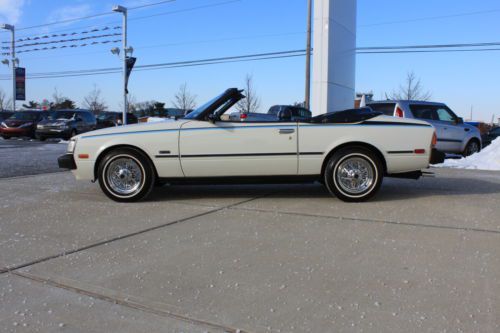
(334, 60)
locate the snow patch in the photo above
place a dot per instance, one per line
(157, 120)
(487, 159)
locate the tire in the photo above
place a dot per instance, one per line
(6, 137)
(362, 162)
(123, 166)
(41, 138)
(472, 147)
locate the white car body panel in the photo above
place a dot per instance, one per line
(192, 148)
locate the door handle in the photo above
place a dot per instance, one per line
(467, 129)
(287, 131)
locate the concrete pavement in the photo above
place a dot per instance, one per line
(422, 257)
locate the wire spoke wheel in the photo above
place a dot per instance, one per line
(124, 176)
(355, 175)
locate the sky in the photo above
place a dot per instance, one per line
(181, 31)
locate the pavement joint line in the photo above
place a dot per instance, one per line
(126, 236)
(353, 219)
(127, 303)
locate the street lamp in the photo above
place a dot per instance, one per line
(123, 10)
(308, 55)
(14, 61)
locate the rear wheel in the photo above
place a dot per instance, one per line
(354, 174)
(6, 137)
(126, 175)
(472, 147)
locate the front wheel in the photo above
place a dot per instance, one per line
(126, 175)
(354, 174)
(472, 147)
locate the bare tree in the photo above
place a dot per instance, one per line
(94, 102)
(57, 97)
(5, 102)
(184, 100)
(412, 90)
(252, 102)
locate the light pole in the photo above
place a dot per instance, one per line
(14, 61)
(123, 10)
(308, 55)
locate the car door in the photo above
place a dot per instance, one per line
(427, 112)
(227, 149)
(454, 133)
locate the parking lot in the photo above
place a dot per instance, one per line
(424, 256)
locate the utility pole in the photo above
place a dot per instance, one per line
(14, 61)
(123, 10)
(308, 55)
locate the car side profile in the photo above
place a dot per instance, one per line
(350, 152)
(65, 124)
(453, 136)
(21, 124)
(112, 119)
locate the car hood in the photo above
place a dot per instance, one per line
(17, 123)
(57, 122)
(142, 127)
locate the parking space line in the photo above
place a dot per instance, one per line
(135, 305)
(363, 220)
(117, 238)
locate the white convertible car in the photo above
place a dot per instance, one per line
(350, 151)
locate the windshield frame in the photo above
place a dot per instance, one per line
(232, 95)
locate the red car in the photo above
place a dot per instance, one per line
(21, 124)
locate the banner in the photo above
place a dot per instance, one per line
(20, 84)
(130, 65)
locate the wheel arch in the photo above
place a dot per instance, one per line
(107, 150)
(351, 145)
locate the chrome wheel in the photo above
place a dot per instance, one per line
(124, 175)
(355, 175)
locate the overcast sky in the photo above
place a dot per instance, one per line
(226, 28)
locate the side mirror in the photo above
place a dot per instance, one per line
(459, 121)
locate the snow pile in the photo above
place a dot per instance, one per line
(156, 119)
(487, 159)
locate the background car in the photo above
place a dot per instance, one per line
(453, 135)
(490, 136)
(283, 112)
(112, 119)
(65, 124)
(21, 124)
(5, 115)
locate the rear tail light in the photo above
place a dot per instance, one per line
(434, 140)
(243, 116)
(399, 112)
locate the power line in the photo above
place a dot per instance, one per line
(428, 46)
(430, 18)
(257, 56)
(428, 51)
(218, 4)
(90, 16)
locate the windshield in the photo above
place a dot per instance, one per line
(106, 116)
(61, 115)
(201, 109)
(24, 116)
